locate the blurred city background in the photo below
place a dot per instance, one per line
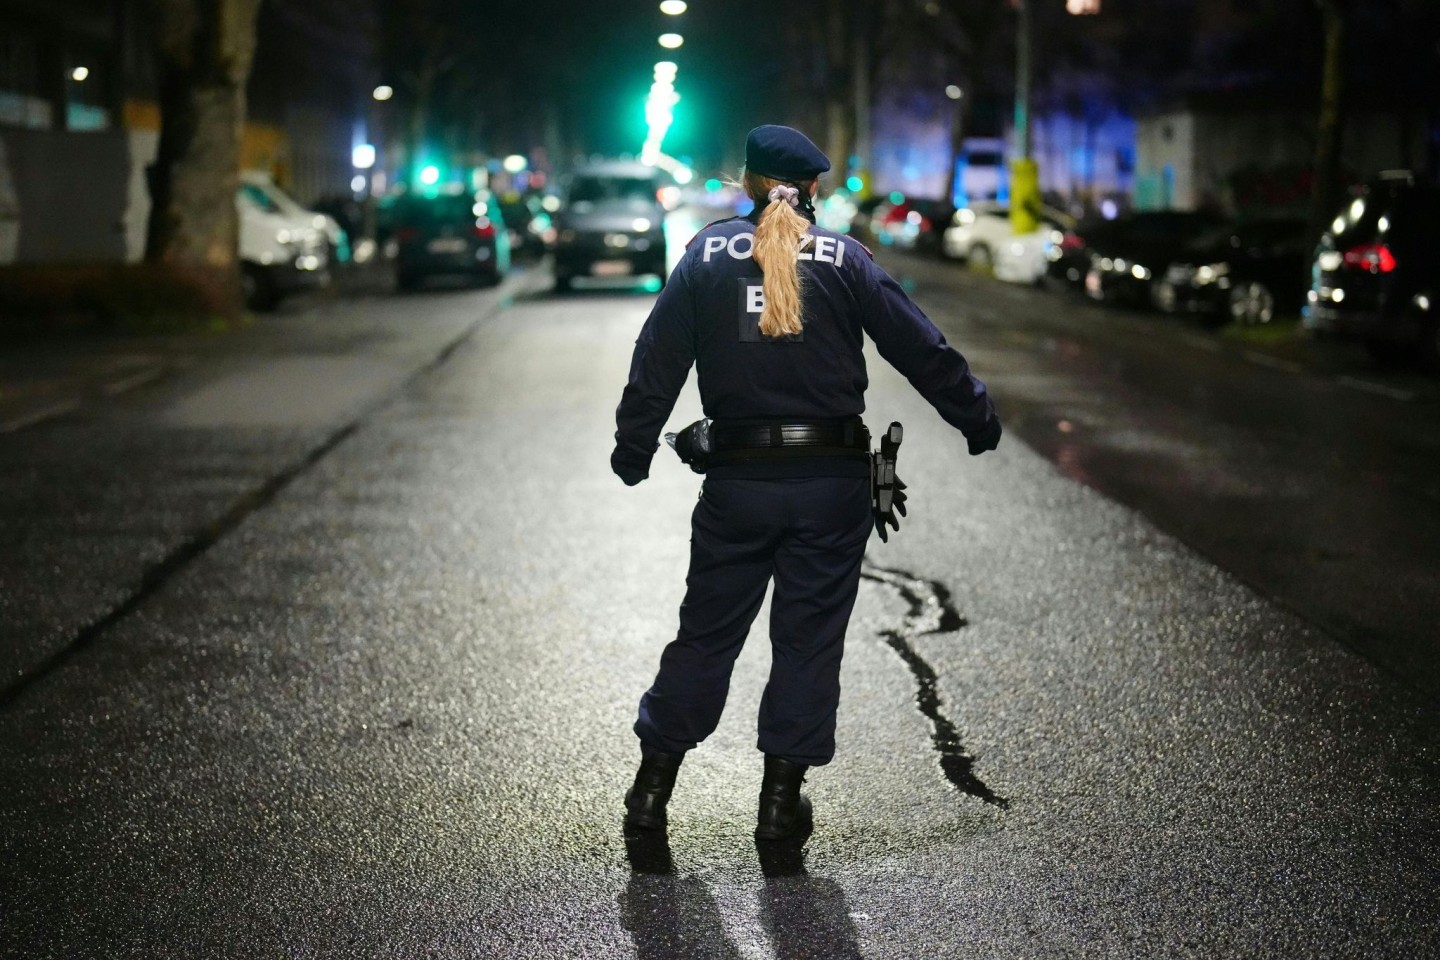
(1238, 111)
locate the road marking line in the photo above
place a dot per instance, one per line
(1265, 360)
(131, 382)
(1394, 393)
(36, 416)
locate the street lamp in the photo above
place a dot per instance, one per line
(80, 74)
(673, 7)
(384, 92)
(954, 92)
(671, 40)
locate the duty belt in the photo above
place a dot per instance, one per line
(734, 440)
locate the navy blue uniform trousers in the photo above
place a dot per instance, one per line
(808, 535)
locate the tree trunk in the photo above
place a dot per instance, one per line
(204, 49)
(1325, 193)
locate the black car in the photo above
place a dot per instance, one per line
(1069, 256)
(1376, 273)
(1125, 256)
(458, 234)
(1246, 272)
(611, 224)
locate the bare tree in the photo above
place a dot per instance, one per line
(204, 49)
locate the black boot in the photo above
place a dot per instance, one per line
(645, 801)
(784, 814)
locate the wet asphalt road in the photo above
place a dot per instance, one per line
(1305, 469)
(373, 697)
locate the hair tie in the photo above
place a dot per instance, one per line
(783, 191)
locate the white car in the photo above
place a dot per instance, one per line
(976, 232)
(982, 233)
(280, 252)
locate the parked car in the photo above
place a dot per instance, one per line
(861, 220)
(448, 233)
(979, 232)
(610, 224)
(1069, 255)
(909, 223)
(1125, 257)
(337, 241)
(975, 231)
(527, 220)
(1376, 273)
(1244, 272)
(280, 253)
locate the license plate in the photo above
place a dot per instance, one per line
(448, 245)
(611, 268)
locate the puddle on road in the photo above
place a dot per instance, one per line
(931, 611)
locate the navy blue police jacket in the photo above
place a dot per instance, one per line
(708, 316)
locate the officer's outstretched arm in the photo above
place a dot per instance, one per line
(664, 352)
(912, 344)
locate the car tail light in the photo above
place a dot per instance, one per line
(1374, 257)
(406, 234)
(1071, 242)
(484, 228)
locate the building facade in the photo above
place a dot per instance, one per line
(79, 123)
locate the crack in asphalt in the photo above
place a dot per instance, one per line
(931, 611)
(161, 572)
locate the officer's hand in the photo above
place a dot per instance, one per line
(627, 470)
(988, 440)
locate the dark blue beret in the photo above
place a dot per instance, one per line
(783, 153)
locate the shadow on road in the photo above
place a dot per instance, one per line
(804, 916)
(668, 915)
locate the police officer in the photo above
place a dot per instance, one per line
(773, 311)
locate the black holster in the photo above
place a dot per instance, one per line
(694, 444)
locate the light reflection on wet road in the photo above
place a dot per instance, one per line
(1315, 478)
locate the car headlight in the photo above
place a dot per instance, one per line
(1211, 272)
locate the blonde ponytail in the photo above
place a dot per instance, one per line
(777, 243)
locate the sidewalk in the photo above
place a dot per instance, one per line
(44, 379)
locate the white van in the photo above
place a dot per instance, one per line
(281, 251)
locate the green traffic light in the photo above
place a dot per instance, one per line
(854, 184)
